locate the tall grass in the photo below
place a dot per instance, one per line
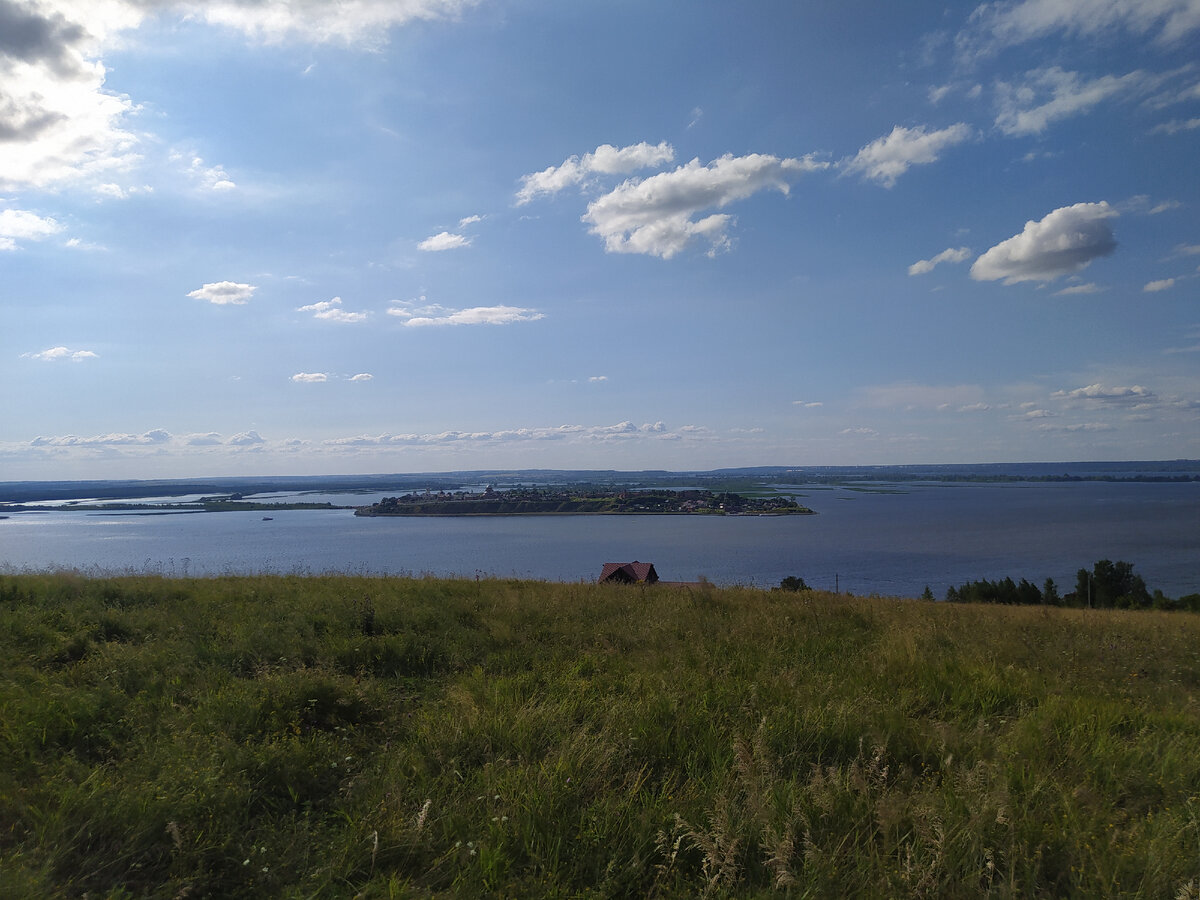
(384, 737)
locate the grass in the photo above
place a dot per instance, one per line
(383, 737)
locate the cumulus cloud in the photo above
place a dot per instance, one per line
(1163, 284)
(605, 159)
(310, 377)
(1135, 395)
(597, 378)
(246, 439)
(58, 121)
(1048, 95)
(443, 241)
(211, 178)
(224, 293)
(417, 316)
(331, 311)
(1065, 241)
(55, 354)
(362, 376)
(950, 255)
(116, 439)
(22, 225)
(887, 158)
(654, 216)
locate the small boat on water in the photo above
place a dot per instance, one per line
(268, 519)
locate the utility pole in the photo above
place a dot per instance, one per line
(837, 588)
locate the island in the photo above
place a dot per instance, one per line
(560, 500)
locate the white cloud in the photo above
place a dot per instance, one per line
(1194, 348)
(808, 404)
(597, 378)
(310, 377)
(1009, 23)
(419, 316)
(443, 241)
(860, 430)
(1074, 427)
(1065, 241)
(225, 293)
(1048, 95)
(974, 407)
(154, 437)
(1088, 288)
(654, 216)
(211, 178)
(1175, 126)
(469, 220)
(246, 439)
(887, 158)
(55, 354)
(910, 396)
(317, 21)
(58, 121)
(21, 225)
(951, 255)
(362, 376)
(605, 160)
(619, 432)
(331, 311)
(1162, 284)
(1135, 395)
(206, 439)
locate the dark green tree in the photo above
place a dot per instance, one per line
(1050, 593)
(792, 583)
(1111, 585)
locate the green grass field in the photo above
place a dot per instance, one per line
(386, 737)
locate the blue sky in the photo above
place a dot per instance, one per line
(247, 237)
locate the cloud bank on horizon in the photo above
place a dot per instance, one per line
(910, 220)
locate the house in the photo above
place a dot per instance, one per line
(628, 573)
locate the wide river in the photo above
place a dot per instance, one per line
(891, 540)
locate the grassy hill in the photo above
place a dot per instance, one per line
(384, 737)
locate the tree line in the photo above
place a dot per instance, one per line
(1108, 585)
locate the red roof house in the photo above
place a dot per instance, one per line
(628, 573)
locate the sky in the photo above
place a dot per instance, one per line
(244, 237)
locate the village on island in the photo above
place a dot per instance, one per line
(581, 500)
